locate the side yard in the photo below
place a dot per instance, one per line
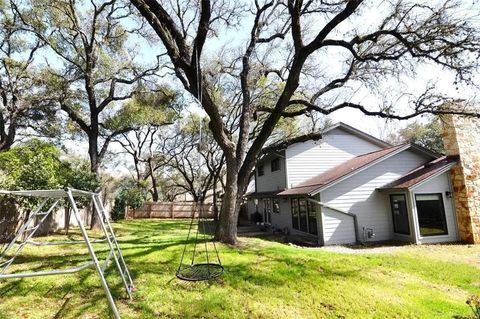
(263, 279)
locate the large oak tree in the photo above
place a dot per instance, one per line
(23, 108)
(290, 59)
(94, 64)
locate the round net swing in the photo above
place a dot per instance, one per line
(199, 262)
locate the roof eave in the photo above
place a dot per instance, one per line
(444, 169)
(440, 172)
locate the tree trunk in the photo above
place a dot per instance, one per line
(93, 153)
(94, 166)
(227, 227)
(155, 195)
(67, 218)
(7, 137)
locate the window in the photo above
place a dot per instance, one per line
(302, 212)
(275, 164)
(276, 206)
(400, 214)
(267, 210)
(304, 216)
(312, 218)
(260, 170)
(295, 213)
(431, 214)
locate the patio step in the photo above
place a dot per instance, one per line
(255, 234)
(249, 229)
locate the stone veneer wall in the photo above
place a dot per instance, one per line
(461, 136)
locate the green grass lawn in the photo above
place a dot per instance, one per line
(262, 279)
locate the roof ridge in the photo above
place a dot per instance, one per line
(381, 150)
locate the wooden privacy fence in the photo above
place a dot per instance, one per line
(170, 210)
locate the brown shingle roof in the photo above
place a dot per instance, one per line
(422, 173)
(341, 170)
(262, 194)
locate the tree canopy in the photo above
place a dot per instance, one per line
(428, 135)
(94, 67)
(22, 106)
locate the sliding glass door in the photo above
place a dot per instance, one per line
(304, 216)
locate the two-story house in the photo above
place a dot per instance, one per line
(346, 186)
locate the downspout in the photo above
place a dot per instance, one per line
(355, 219)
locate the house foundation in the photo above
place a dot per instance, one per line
(461, 137)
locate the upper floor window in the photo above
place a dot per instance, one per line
(275, 164)
(260, 170)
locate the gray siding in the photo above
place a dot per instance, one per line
(337, 228)
(308, 159)
(279, 220)
(358, 195)
(284, 218)
(271, 181)
(439, 184)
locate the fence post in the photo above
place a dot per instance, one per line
(150, 210)
(171, 210)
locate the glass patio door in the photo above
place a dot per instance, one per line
(400, 214)
(267, 211)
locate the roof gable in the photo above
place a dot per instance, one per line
(423, 173)
(315, 136)
(351, 130)
(349, 168)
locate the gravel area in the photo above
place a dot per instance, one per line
(359, 249)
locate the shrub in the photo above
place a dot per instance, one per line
(131, 194)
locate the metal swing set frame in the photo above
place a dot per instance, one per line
(27, 231)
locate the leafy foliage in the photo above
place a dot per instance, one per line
(93, 68)
(428, 135)
(22, 104)
(33, 165)
(38, 165)
(145, 109)
(131, 194)
(77, 175)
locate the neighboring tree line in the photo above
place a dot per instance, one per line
(73, 71)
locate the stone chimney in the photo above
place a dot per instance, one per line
(461, 137)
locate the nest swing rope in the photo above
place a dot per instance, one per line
(205, 270)
(199, 271)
